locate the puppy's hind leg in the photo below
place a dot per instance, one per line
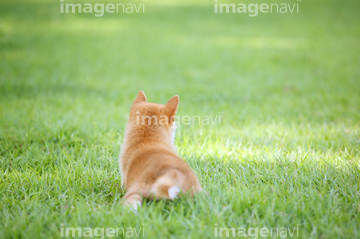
(134, 197)
(132, 200)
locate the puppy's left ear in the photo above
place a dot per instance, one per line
(171, 108)
(141, 97)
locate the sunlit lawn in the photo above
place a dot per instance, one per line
(285, 154)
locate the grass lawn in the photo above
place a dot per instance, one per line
(287, 88)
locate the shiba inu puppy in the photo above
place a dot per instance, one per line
(149, 164)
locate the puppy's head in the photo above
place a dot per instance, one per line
(154, 115)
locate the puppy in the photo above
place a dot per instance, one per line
(149, 164)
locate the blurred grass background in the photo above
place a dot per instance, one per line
(287, 87)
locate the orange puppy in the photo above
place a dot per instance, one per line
(149, 164)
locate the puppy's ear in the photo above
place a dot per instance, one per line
(141, 97)
(171, 108)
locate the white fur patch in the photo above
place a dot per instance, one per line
(134, 205)
(173, 132)
(173, 192)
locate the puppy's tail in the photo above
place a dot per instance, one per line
(168, 185)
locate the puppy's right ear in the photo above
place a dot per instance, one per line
(171, 108)
(141, 97)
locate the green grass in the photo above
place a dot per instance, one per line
(286, 153)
